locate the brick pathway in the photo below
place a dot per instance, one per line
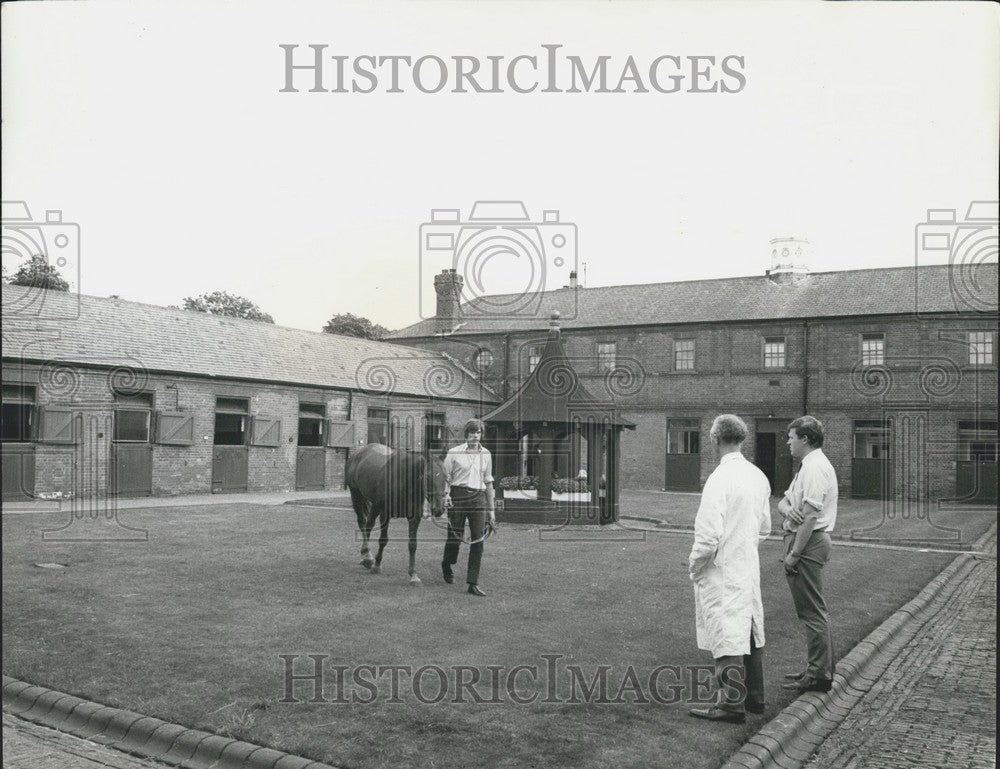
(29, 746)
(936, 704)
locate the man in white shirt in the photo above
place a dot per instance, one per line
(733, 517)
(809, 511)
(468, 472)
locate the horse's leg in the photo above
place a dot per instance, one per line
(383, 538)
(363, 511)
(414, 525)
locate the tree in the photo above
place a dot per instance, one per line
(38, 273)
(353, 325)
(230, 305)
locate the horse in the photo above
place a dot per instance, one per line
(389, 483)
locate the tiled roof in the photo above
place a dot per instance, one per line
(891, 291)
(113, 332)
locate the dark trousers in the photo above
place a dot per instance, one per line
(740, 680)
(469, 507)
(810, 607)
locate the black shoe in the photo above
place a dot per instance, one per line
(809, 684)
(447, 573)
(795, 676)
(718, 714)
(755, 708)
(474, 590)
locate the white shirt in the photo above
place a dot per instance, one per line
(464, 466)
(815, 483)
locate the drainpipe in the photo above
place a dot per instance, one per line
(805, 367)
(506, 366)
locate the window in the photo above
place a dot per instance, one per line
(684, 355)
(683, 436)
(18, 417)
(606, 355)
(312, 417)
(871, 439)
(231, 418)
(378, 426)
(872, 349)
(774, 352)
(434, 435)
(534, 355)
(483, 360)
(981, 348)
(977, 441)
(133, 417)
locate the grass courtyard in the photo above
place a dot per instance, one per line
(191, 626)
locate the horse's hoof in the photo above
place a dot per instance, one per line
(367, 564)
(414, 579)
(376, 568)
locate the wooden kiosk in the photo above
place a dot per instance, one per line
(555, 426)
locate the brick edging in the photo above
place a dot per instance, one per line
(790, 739)
(141, 735)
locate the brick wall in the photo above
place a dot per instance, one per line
(83, 467)
(926, 372)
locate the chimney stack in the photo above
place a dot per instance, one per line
(572, 279)
(789, 260)
(448, 286)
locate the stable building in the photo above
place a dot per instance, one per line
(899, 364)
(105, 398)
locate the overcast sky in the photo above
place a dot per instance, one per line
(161, 129)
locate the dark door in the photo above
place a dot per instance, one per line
(310, 468)
(976, 481)
(976, 468)
(131, 451)
(132, 470)
(765, 452)
(871, 469)
(683, 458)
(18, 471)
(230, 457)
(782, 465)
(230, 466)
(310, 459)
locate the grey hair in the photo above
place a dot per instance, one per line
(729, 429)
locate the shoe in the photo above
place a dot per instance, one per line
(755, 708)
(718, 714)
(474, 590)
(795, 676)
(447, 573)
(809, 684)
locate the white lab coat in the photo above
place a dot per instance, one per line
(733, 517)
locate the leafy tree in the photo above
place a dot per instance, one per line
(230, 305)
(353, 325)
(39, 273)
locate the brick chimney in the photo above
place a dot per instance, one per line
(448, 286)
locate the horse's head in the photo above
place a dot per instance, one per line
(434, 485)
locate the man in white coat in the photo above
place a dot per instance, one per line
(733, 517)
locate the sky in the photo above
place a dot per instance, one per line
(165, 132)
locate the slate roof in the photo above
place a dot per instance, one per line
(889, 291)
(113, 332)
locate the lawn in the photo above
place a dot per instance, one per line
(932, 523)
(190, 626)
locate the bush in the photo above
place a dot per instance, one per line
(569, 485)
(521, 482)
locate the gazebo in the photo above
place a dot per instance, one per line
(554, 426)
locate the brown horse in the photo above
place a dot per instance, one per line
(387, 483)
